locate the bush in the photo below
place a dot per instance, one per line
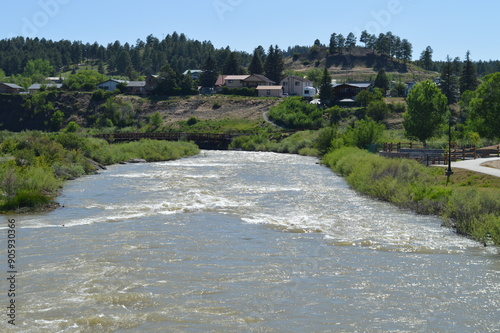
(409, 184)
(293, 112)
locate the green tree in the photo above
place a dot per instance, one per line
(350, 43)
(341, 43)
(315, 74)
(333, 46)
(209, 75)
(38, 67)
(468, 80)
(382, 81)
(232, 65)
(485, 107)
(84, 80)
(123, 63)
(56, 120)
(169, 79)
(365, 97)
(449, 81)
(406, 50)
(256, 66)
(378, 110)
(427, 111)
(274, 64)
(364, 132)
(426, 58)
(326, 95)
(2, 74)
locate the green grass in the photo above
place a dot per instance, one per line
(34, 165)
(469, 203)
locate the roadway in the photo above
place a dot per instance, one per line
(475, 165)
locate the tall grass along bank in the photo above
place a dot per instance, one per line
(473, 211)
(34, 165)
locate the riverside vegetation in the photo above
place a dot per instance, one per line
(35, 165)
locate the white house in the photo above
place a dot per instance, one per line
(298, 86)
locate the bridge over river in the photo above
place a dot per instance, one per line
(203, 140)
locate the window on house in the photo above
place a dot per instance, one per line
(229, 81)
(297, 83)
(268, 92)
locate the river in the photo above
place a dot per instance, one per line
(231, 241)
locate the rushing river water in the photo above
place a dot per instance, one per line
(242, 242)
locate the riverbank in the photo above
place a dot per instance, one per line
(35, 164)
(468, 202)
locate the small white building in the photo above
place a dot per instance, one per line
(298, 86)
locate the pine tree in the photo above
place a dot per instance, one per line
(333, 47)
(326, 95)
(449, 81)
(382, 81)
(350, 42)
(232, 65)
(209, 75)
(468, 80)
(256, 66)
(274, 65)
(426, 58)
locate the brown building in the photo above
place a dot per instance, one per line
(348, 91)
(10, 88)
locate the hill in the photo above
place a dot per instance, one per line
(361, 64)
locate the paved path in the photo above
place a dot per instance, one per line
(475, 165)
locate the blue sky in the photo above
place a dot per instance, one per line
(449, 27)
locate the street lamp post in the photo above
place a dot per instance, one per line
(449, 172)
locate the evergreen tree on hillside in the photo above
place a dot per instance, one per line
(274, 65)
(232, 65)
(341, 43)
(256, 66)
(426, 58)
(406, 50)
(326, 95)
(210, 74)
(350, 43)
(333, 47)
(449, 82)
(382, 81)
(468, 80)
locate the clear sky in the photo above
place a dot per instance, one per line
(449, 27)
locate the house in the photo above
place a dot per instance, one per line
(43, 86)
(10, 88)
(243, 81)
(110, 85)
(298, 86)
(151, 83)
(270, 91)
(350, 90)
(195, 73)
(136, 88)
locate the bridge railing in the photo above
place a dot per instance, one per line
(168, 136)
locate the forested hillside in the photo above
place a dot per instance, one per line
(149, 56)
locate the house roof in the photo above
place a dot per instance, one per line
(297, 78)
(269, 87)
(237, 77)
(113, 80)
(11, 85)
(193, 71)
(136, 84)
(260, 77)
(354, 84)
(38, 86)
